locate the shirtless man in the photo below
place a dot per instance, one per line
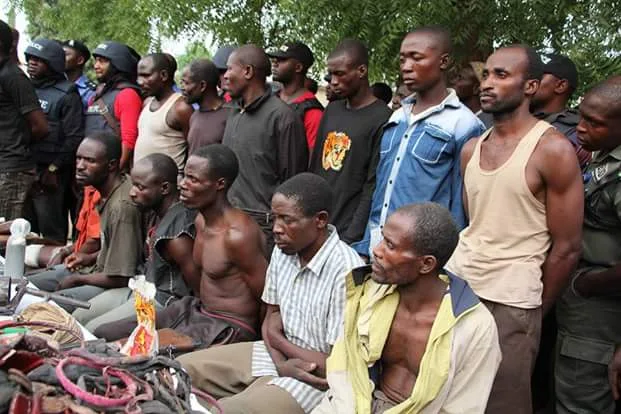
(229, 248)
(524, 197)
(452, 338)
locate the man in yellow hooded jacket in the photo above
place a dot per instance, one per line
(416, 338)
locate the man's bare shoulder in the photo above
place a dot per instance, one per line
(242, 231)
(556, 153)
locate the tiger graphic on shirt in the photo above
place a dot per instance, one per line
(335, 150)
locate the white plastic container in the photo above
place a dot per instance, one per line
(16, 249)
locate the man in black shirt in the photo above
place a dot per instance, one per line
(264, 132)
(22, 122)
(62, 105)
(560, 79)
(347, 147)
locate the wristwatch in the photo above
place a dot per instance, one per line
(52, 168)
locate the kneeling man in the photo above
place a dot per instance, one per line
(416, 339)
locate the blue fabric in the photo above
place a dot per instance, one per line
(85, 90)
(420, 161)
(462, 295)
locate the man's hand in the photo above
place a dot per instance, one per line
(70, 282)
(75, 261)
(614, 370)
(49, 181)
(302, 371)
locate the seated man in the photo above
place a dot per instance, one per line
(169, 244)
(229, 251)
(122, 233)
(82, 254)
(452, 351)
(305, 293)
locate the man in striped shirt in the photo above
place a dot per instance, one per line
(305, 296)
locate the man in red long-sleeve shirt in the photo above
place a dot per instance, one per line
(116, 106)
(290, 64)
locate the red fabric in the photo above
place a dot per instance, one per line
(312, 117)
(127, 107)
(227, 97)
(88, 223)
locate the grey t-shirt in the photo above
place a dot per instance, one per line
(206, 127)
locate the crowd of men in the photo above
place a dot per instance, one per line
(455, 248)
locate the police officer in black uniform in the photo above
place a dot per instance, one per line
(46, 207)
(558, 84)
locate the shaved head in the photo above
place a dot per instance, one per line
(441, 37)
(251, 55)
(354, 49)
(609, 91)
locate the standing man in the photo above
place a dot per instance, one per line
(588, 313)
(22, 123)
(265, 133)
(347, 147)
(422, 142)
(47, 209)
(305, 294)
(116, 106)
(121, 223)
(165, 118)
(524, 197)
(229, 254)
(560, 79)
(220, 59)
(467, 84)
(199, 83)
(76, 56)
(290, 65)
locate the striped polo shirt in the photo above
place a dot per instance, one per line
(312, 303)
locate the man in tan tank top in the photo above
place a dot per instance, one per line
(165, 118)
(523, 194)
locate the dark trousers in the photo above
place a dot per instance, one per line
(265, 223)
(47, 210)
(15, 187)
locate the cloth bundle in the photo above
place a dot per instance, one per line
(36, 376)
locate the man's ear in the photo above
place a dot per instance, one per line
(363, 71)
(561, 87)
(531, 86)
(220, 184)
(428, 264)
(249, 72)
(166, 188)
(445, 61)
(164, 75)
(322, 219)
(202, 86)
(299, 67)
(81, 60)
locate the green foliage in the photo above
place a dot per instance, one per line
(193, 51)
(589, 31)
(90, 20)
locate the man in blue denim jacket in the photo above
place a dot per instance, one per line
(422, 142)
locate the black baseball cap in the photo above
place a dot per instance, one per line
(294, 50)
(562, 67)
(79, 46)
(222, 56)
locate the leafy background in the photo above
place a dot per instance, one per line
(587, 31)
